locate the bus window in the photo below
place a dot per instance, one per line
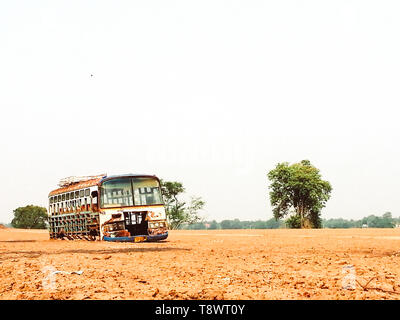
(59, 198)
(81, 193)
(72, 195)
(67, 196)
(87, 192)
(116, 193)
(76, 194)
(146, 191)
(63, 197)
(94, 200)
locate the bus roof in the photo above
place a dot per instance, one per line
(127, 176)
(94, 182)
(76, 186)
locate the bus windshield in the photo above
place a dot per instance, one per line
(125, 192)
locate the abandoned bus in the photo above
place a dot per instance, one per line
(126, 208)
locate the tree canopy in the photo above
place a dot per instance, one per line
(30, 217)
(298, 189)
(178, 212)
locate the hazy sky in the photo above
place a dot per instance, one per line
(210, 93)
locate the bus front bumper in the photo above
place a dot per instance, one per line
(138, 238)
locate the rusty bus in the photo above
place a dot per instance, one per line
(127, 208)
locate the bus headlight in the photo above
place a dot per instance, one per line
(153, 225)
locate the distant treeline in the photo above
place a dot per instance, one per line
(236, 224)
(372, 221)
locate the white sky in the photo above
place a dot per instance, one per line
(210, 93)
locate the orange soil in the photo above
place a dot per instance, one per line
(223, 264)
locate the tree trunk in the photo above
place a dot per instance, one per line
(300, 212)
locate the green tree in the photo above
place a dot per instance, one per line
(178, 212)
(387, 221)
(214, 225)
(226, 224)
(30, 217)
(274, 224)
(196, 226)
(372, 221)
(259, 224)
(236, 224)
(233, 224)
(170, 191)
(298, 187)
(192, 210)
(293, 222)
(340, 223)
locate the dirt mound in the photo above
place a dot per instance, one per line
(2, 226)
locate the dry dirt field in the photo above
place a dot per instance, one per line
(223, 264)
